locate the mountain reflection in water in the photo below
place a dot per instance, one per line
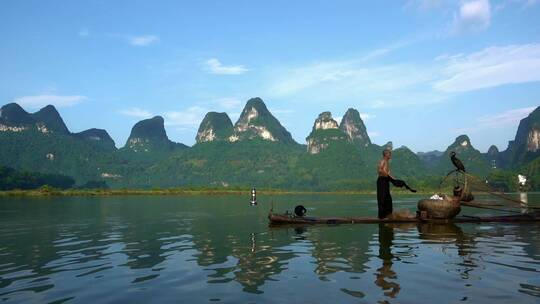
(216, 248)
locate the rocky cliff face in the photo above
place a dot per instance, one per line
(533, 140)
(493, 156)
(50, 118)
(325, 122)
(461, 144)
(528, 133)
(256, 122)
(12, 114)
(325, 131)
(215, 127)
(149, 135)
(526, 145)
(13, 118)
(354, 127)
(98, 137)
(474, 161)
(493, 151)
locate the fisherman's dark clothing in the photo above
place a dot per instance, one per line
(384, 199)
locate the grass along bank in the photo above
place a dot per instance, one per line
(50, 191)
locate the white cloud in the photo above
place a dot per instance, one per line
(504, 119)
(331, 73)
(191, 116)
(366, 116)
(39, 101)
(180, 120)
(281, 111)
(373, 134)
(377, 53)
(83, 32)
(136, 112)
(380, 52)
(214, 66)
(524, 4)
(491, 67)
(425, 5)
(370, 86)
(406, 84)
(473, 15)
(228, 103)
(144, 40)
(184, 129)
(531, 2)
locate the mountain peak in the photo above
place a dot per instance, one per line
(148, 134)
(325, 121)
(462, 144)
(49, 108)
(98, 137)
(526, 144)
(462, 141)
(493, 150)
(46, 119)
(256, 102)
(473, 160)
(528, 133)
(256, 122)
(13, 107)
(150, 128)
(13, 114)
(215, 127)
(51, 119)
(354, 127)
(325, 132)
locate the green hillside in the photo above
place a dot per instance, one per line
(256, 151)
(11, 179)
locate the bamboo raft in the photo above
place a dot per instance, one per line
(434, 210)
(286, 219)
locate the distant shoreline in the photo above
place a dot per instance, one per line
(179, 192)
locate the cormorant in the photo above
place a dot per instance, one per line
(457, 163)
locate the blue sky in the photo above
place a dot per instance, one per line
(421, 72)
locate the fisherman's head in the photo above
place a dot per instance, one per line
(387, 153)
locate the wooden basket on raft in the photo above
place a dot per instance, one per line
(448, 207)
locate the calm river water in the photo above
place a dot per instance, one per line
(200, 249)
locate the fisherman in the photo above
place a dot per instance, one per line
(384, 199)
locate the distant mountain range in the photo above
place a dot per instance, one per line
(256, 150)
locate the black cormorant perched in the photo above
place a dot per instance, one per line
(457, 163)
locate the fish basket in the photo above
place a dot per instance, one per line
(445, 208)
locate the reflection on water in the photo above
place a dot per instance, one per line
(199, 249)
(523, 197)
(386, 277)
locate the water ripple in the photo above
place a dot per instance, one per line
(184, 251)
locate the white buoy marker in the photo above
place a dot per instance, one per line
(253, 201)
